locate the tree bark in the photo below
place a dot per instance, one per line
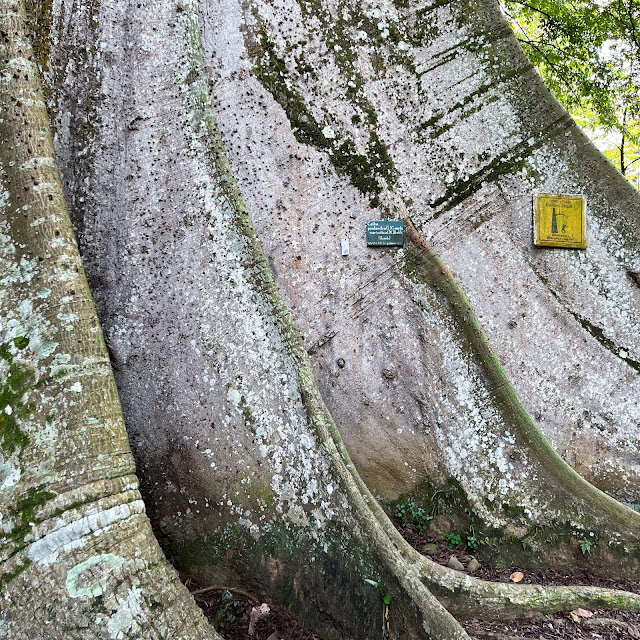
(244, 473)
(467, 134)
(78, 557)
(470, 134)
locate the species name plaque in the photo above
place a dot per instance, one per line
(385, 233)
(560, 221)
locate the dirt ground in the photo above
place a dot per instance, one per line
(601, 625)
(232, 611)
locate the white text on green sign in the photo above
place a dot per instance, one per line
(385, 233)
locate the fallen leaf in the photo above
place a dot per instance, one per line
(255, 615)
(273, 636)
(633, 631)
(516, 576)
(574, 617)
(583, 613)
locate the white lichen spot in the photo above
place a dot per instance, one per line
(9, 474)
(89, 578)
(328, 133)
(235, 397)
(128, 617)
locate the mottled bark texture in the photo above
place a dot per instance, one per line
(78, 558)
(334, 113)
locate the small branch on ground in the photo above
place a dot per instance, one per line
(240, 592)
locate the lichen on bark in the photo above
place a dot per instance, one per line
(236, 448)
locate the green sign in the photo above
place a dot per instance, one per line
(385, 233)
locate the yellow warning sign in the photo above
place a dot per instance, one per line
(559, 221)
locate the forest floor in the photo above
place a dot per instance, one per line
(580, 624)
(240, 616)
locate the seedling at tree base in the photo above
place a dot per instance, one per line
(453, 540)
(411, 513)
(386, 599)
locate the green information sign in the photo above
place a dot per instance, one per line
(385, 233)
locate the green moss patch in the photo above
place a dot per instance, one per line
(24, 514)
(366, 171)
(13, 405)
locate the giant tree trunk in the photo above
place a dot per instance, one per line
(453, 126)
(432, 111)
(329, 119)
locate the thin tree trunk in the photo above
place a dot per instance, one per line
(623, 165)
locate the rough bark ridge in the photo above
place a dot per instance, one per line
(214, 379)
(78, 558)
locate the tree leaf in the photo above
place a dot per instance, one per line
(583, 613)
(516, 576)
(385, 596)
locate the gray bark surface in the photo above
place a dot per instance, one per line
(412, 395)
(78, 558)
(243, 471)
(240, 472)
(471, 134)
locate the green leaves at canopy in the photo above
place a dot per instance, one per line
(589, 55)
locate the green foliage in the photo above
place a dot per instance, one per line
(411, 513)
(228, 611)
(476, 539)
(453, 540)
(386, 598)
(588, 53)
(586, 542)
(585, 545)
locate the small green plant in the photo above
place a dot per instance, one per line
(452, 540)
(586, 542)
(386, 599)
(476, 539)
(585, 545)
(411, 513)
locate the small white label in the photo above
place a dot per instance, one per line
(345, 247)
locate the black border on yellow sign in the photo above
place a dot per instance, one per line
(540, 241)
